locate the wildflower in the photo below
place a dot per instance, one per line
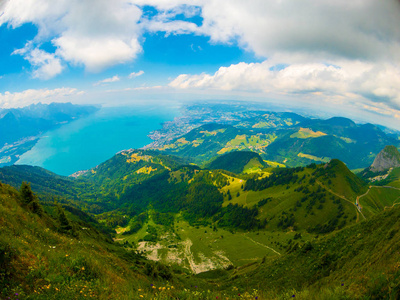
(83, 268)
(16, 294)
(141, 296)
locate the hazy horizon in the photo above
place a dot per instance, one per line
(333, 57)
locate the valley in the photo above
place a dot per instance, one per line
(213, 211)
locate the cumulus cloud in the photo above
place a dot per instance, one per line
(136, 74)
(347, 79)
(94, 34)
(108, 80)
(32, 96)
(326, 29)
(334, 48)
(46, 65)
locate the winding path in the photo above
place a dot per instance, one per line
(358, 208)
(261, 244)
(382, 187)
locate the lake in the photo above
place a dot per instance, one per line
(87, 142)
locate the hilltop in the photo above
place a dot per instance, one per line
(388, 158)
(384, 168)
(238, 162)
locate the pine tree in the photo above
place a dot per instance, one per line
(229, 195)
(30, 199)
(65, 226)
(26, 193)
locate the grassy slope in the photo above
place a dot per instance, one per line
(359, 262)
(39, 262)
(237, 162)
(379, 199)
(335, 183)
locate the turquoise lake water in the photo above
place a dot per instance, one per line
(87, 142)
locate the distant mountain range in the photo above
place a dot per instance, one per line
(283, 138)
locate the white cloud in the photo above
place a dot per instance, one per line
(31, 96)
(108, 80)
(46, 65)
(330, 48)
(136, 74)
(95, 34)
(313, 30)
(346, 80)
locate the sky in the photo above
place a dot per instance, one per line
(337, 57)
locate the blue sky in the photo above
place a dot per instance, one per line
(337, 57)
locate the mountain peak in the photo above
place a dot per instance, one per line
(388, 158)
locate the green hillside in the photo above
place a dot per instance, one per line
(318, 140)
(297, 143)
(49, 253)
(238, 162)
(359, 262)
(268, 228)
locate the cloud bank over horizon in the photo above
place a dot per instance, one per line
(331, 50)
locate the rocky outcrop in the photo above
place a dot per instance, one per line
(388, 158)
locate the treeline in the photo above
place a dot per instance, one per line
(234, 161)
(278, 177)
(239, 217)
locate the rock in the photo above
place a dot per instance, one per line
(388, 158)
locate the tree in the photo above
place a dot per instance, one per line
(26, 193)
(65, 226)
(229, 195)
(30, 199)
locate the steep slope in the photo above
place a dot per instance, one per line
(51, 256)
(383, 170)
(388, 158)
(359, 262)
(318, 198)
(42, 180)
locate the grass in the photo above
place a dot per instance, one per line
(38, 261)
(315, 158)
(305, 133)
(379, 199)
(285, 198)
